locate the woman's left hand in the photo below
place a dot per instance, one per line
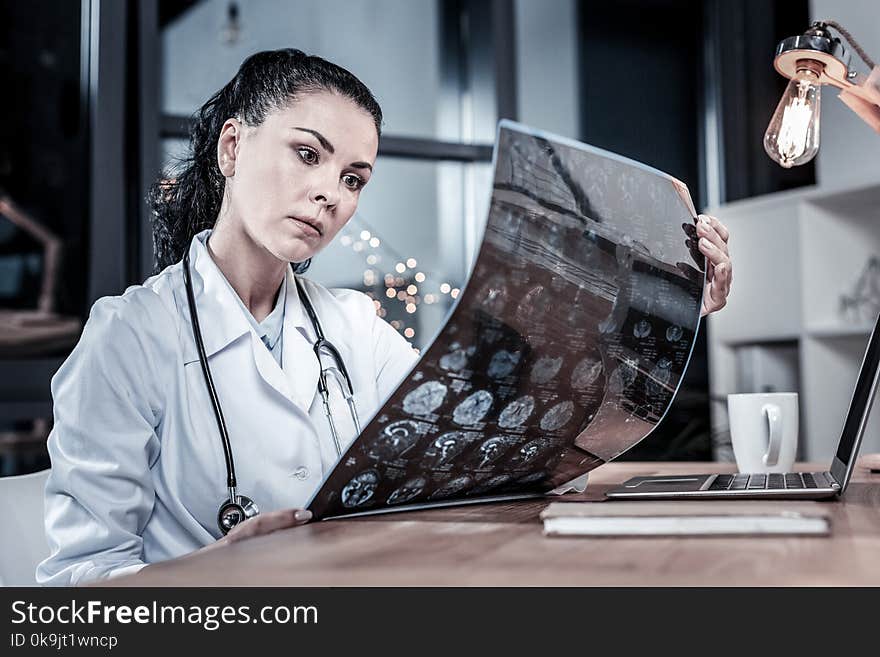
(713, 236)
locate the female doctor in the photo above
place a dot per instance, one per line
(206, 405)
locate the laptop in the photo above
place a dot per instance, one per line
(791, 485)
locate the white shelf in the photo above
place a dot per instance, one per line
(752, 340)
(795, 254)
(859, 195)
(838, 330)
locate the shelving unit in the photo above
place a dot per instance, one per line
(795, 254)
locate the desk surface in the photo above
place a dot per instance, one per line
(502, 545)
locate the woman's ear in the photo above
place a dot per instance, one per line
(227, 146)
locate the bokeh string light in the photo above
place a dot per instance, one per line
(396, 284)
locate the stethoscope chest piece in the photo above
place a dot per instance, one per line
(233, 513)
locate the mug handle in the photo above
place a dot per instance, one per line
(774, 424)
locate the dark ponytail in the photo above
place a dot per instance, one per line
(188, 201)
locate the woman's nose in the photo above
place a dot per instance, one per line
(325, 193)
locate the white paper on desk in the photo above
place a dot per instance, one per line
(745, 525)
(686, 518)
(564, 349)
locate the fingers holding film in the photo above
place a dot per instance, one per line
(706, 230)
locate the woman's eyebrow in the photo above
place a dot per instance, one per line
(321, 138)
(329, 147)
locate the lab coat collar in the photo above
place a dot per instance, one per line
(221, 312)
(270, 329)
(223, 322)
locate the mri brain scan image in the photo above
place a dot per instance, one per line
(473, 408)
(411, 489)
(516, 412)
(425, 399)
(660, 377)
(452, 487)
(642, 329)
(532, 450)
(492, 449)
(558, 416)
(586, 372)
(454, 360)
(545, 368)
(503, 363)
(394, 440)
(674, 333)
(359, 490)
(446, 447)
(623, 376)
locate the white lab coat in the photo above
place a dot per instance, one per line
(138, 470)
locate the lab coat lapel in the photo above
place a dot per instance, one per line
(220, 320)
(268, 368)
(300, 364)
(223, 322)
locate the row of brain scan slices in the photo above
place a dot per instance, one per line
(362, 488)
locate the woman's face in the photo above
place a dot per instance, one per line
(295, 180)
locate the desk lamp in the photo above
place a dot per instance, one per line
(810, 60)
(36, 331)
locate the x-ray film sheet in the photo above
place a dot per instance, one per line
(564, 349)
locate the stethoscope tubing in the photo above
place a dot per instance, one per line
(244, 506)
(231, 483)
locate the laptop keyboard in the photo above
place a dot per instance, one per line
(774, 481)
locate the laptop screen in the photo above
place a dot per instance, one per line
(861, 399)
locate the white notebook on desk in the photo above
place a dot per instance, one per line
(685, 519)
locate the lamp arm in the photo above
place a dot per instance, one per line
(51, 250)
(863, 98)
(849, 37)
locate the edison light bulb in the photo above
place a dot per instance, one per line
(792, 138)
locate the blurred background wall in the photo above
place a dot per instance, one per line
(807, 291)
(99, 95)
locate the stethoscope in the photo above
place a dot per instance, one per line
(237, 508)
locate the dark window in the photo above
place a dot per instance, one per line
(650, 70)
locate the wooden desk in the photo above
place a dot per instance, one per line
(502, 545)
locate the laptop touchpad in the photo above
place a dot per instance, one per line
(646, 484)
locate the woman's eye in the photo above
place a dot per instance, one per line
(307, 155)
(353, 182)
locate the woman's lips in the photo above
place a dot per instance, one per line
(306, 227)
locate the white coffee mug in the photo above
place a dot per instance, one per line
(764, 430)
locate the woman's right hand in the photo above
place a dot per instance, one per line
(264, 523)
